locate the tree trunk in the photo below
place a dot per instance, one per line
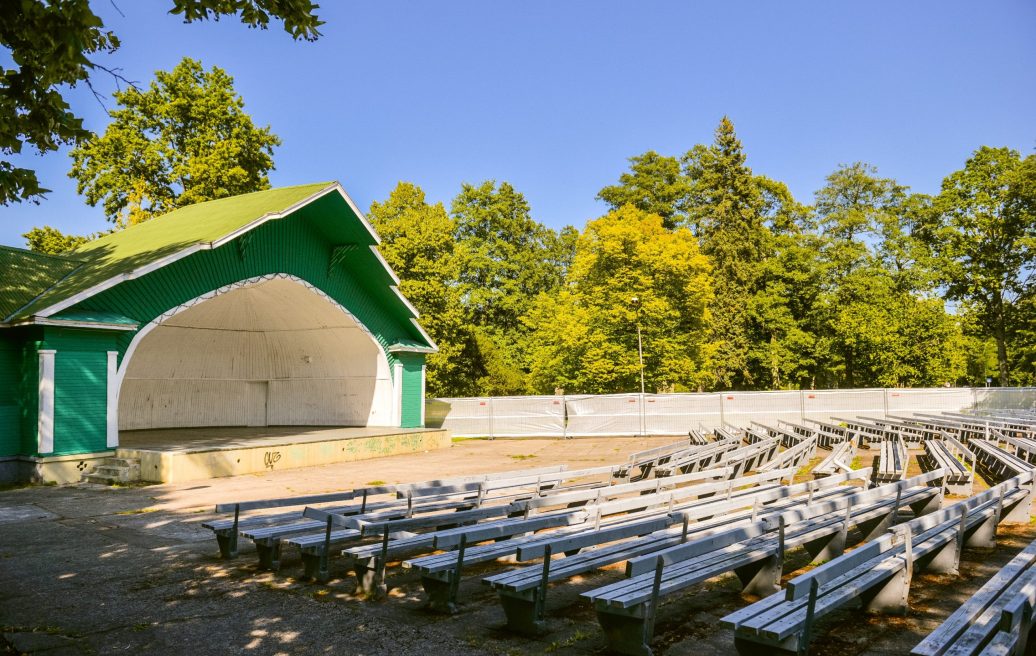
(1000, 335)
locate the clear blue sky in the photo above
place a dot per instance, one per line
(554, 96)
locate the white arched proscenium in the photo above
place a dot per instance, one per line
(391, 413)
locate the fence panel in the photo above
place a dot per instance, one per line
(1011, 398)
(928, 401)
(527, 416)
(604, 414)
(742, 408)
(829, 404)
(675, 414)
(467, 417)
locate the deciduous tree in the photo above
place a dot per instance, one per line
(983, 227)
(53, 45)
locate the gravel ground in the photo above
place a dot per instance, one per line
(93, 570)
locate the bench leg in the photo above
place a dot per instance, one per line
(370, 579)
(927, 506)
(826, 548)
(524, 611)
(873, 528)
(627, 630)
(439, 588)
(761, 578)
(315, 567)
(1021, 512)
(944, 560)
(227, 541)
(889, 597)
(982, 536)
(269, 554)
(747, 647)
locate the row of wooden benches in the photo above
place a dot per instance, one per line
(879, 573)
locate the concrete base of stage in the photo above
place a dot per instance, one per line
(184, 454)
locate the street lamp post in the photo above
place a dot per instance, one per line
(640, 342)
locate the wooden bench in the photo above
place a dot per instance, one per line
(523, 591)
(951, 456)
(1023, 447)
(641, 463)
(312, 537)
(751, 457)
(699, 458)
(788, 438)
(840, 459)
(441, 573)
(697, 437)
(878, 573)
(830, 434)
(794, 457)
(995, 464)
(996, 619)
(892, 461)
(227, 530)
(755, 553)
(369, 561)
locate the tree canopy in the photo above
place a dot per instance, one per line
(54, 44)
(184, 140)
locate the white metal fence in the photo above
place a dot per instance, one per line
(601, 415)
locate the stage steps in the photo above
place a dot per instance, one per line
(114, 471)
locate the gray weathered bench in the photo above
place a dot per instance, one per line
(227, 530)
(994, 620)
(996, 464)
(892, 461)
(794, 457)
(879, 572)
(523, 591)
(950, 455)
(626, 609)
(840, 459)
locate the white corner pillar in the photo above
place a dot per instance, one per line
(397, 401)
(424, 371)
(45, 425)
(112, 425)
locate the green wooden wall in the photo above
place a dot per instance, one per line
(80, 388)
(11, 394)
(410, 416)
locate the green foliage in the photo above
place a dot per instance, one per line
(728, 207)
(417, 242)
(654, 184)
(506, 259)
(982, 226)
(584, 338)
(52, 241)
(299, 16)
(184, 140)
(50, 43)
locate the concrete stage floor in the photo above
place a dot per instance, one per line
(222, 438)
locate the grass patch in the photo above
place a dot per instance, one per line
(378, 482)
(526, 456)
(137, 511)
(857, 463)
(578, 636)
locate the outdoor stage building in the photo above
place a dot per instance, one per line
(248, 333)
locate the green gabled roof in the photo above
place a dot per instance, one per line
(56, 279)
(26, 275)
